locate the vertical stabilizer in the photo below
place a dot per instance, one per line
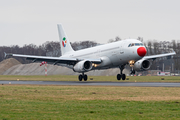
(64, 41)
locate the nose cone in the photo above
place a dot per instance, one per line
(141, 51)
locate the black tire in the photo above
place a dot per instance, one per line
(85, 77)
(134, 72)
(123, 76)
(118, 77)
(80, 77)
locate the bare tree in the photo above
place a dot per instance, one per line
(116, 39)
(140, 39)
(150, 47)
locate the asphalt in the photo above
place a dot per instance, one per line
(92, 83)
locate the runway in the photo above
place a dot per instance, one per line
(92, 83)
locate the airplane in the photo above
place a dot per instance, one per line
(130, 52)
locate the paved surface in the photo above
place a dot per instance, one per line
(93, 83)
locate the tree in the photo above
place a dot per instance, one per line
(116, 39)
(150, 47)
(140, 39)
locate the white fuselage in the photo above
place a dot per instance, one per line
(113, 54)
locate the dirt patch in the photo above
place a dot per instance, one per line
(7, 63)
(36, 69)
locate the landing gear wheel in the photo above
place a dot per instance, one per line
(85, 77)
(80, 77)
(123, 76)
(118, 77)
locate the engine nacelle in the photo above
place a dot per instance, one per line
(83, 66)
(142, 65)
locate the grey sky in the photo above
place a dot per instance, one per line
(35, 21)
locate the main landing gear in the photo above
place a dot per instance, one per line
(83, 76)
(121, 75)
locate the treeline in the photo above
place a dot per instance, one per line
(46, 49)
(154, 47)
(53, 49)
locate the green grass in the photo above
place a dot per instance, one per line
(90, 110)
(95, 78)
(88, 102)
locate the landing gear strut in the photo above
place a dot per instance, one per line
(83, 76)
(121, 75)
(132, 71)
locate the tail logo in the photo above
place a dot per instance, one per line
(64, 42)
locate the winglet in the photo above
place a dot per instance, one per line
(7, 54)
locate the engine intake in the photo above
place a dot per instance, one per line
(142, 65)
(83, 66)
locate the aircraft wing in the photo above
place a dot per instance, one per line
(153, 57)
(53, 60)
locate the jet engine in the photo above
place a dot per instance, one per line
(142, 65)
(83, 66)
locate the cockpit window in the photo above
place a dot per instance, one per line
(135, 44)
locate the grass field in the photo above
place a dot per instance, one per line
(88, 102)
(95, 78)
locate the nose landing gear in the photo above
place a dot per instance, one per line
(132, 72)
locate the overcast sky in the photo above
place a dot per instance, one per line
(35, 21)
